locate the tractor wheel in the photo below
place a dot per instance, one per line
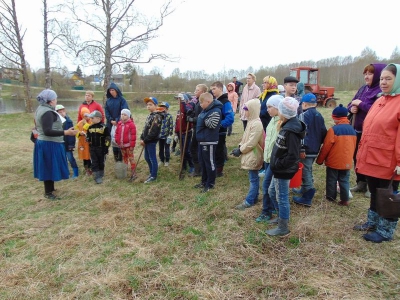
(331, 103)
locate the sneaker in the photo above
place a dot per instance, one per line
(261, 173)
(205, 189)
(367, 194)
(150, 179)
(166, 164)
(51, 196)
(191, 170)
(263, 218)
(199, 186)
(160, 163)
(243, 206)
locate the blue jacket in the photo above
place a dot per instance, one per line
(316, 131)
(208, 124)
(69, 141)
(114, 106)
(227, 114)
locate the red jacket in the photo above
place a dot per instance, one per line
(125, 134)
(339, 145)
(92, 106)
(379, 148)
(182, 113)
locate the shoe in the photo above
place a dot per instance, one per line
(191, 170)
(166, 164)
(243, 206)
(306, 198)
(150, 179)
(261, 173)
(375, 237)
(199, 186)
(343, 203)
(263, 218)
(365, 227)
(51, 196)
(160, 163)
(205, 189)
(281, 230)
(367, 194)
(361, 187)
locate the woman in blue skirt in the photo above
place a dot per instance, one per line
(49, 160)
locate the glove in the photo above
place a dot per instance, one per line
(169, 140)
(190, 119)
(190, 113)
(176, 138)
(397, 169)
(236, 152)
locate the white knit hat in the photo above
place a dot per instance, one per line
(274, 100)
(288, 107)
(126, 112)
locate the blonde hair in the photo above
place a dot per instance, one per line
(90, 93)
(205, 97)
(202, 87)
(252, 76)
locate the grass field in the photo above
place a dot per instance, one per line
(121, 240)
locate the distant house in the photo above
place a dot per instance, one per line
(75, 78)
(118, 79)
(6, 73)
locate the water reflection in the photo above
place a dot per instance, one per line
(18, 106)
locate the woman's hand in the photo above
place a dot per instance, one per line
(354, 109)
(71, 131)
(356, 102)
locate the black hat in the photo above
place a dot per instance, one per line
(290, 79)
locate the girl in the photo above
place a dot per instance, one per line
(83, 145)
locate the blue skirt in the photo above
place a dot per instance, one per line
(50, 161)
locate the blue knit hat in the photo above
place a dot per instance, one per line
(339, 112)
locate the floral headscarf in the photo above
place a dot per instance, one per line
(272, 86)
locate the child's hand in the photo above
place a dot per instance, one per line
(302, 155)
(142, 143)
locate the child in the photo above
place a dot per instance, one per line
(207, 133)
(167, 131)
(233, 98)
(316, 132)
(83, 145)
(150, 136)
(69, 141)
(269, 205)
(285, 158)
(99, 139)
(251, 150)
(337, 153)
(290, 86)
(125, 137)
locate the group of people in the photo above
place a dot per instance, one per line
(283, 132)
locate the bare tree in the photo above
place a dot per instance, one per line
(11, 46)
(119, 34)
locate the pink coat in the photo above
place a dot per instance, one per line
(233, 97)
(248, 94)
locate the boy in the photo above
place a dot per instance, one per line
(69, 141)
(166, 136)
(290, 86)
(337, 153)
(150, 136)
(316, 132)
(207, 133)
(227, 119)
(99, 140)
(125, 137)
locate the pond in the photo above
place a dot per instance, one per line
(18, 106)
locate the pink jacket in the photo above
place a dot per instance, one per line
(233, 97)
(248, 94)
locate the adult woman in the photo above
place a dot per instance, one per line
(250, 91)
(49, 159)
(233, 99)
(359, 107)
(379, 151)
(270, 87)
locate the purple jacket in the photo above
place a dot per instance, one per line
(368, 95)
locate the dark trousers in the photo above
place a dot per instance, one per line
(97, 156)
(359, 177)
(194, 146)
(341, 176)
(373, 184)
(221, 151)
(187, 156)
(117, 154)
(48, 186)
(163, 150)
(207, 162)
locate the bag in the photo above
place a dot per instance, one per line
(113, 129)
(388, 204)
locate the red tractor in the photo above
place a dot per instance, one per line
(310, 77)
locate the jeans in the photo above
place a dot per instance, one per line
(269, 204)
(341, 176)
(150, 156)
(71, 159)
(163, 150)
(254, 180)
(280, 191)
(307, 176)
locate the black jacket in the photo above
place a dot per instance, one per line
(285, 156)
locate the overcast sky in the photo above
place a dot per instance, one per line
(211, 35)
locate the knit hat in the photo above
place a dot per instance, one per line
(288, 107)
(59, 107)
(46, 96)
(281, 89)
(84, 112)
(290, 79)
(309, 98)
(96, 113)
(151, 99)
(339, 112)
(126, 111)
(274, 100)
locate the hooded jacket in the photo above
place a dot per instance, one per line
(379, 148)
(252, 142)
(125, 134)
(248, 93)
(208, 124)
(233, 97)
(285, 155)
(114, 106)
(316, 131)
(69, 140)
(227, 114)
(368, 95)
(152, 127)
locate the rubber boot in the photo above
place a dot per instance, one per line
(97, 177)
(384, 231)
(281, 230)
(219, 171)
(361, 187)
(76, 173)
(372, 221)
(306, 198)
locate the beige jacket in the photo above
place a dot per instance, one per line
(252, 142)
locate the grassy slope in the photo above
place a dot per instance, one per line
(120, 240)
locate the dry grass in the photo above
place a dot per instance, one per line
(165, 241)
